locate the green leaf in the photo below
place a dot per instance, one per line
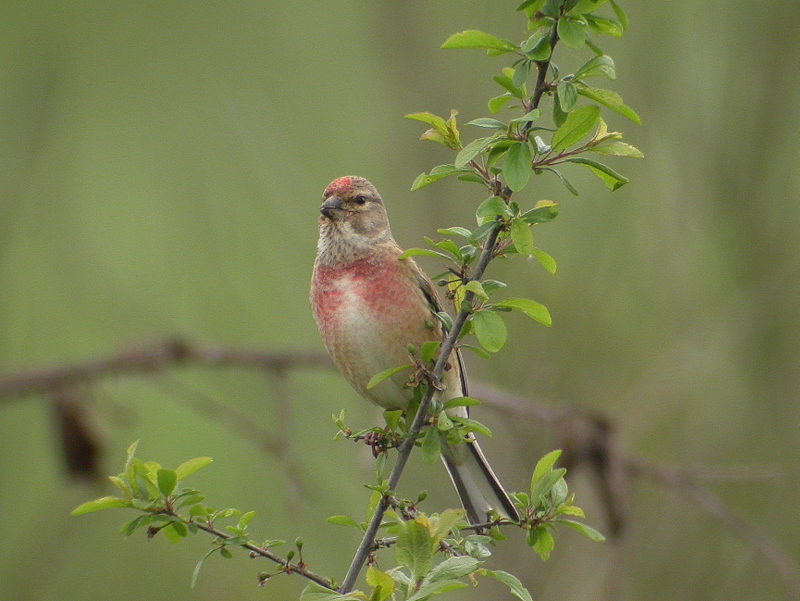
(528, 117)
(580, 7)
(431, 445)
(129, 528)
(563, 179)
(567, 95)
(428, 350)
(545, 484)
(542, 542)
(587, 531)
(512, 582)
(508, 84)
(166, 481)
(598, 65)
(443, 422)
(315, 592)
(414, 548)
(447, 246)
(544, 466)
(617, 149)
(491, 286)
(532, 309)
(392, 417)
(621, 16)
(190, 500)
(130, 455)
(601, 25)
(422, 252)
(559, 116)
(543, 212)
(545, 260)
(571, 510)
(343, 520)
(610, 178)
(435, 588)
(529, 3)
(559, 493)
(522, 237)
(487, 123)
(437, 173)
(451, 568)
(521, 73)
(610, 100)
(121, 484)
(442, 524)
(245, 519)
(462, 401)
(101, 503)
(572, 32)
(496, 103)
(577, 124)
(537, 47)
(492, 207)
(381, 583)
(473, 425)
(473, 149)
(190, 467)
(179, 528)
(476, 288)
(196, 572)
(496, 152)
(483, 230)
(444, 317)
(386, 373)
(455, 231)
(473, 38)
(436, 122)
(517, 165)
(472, 178)
(490, 330)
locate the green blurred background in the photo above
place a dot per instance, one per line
(161, 166)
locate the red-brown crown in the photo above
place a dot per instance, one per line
(341, 185)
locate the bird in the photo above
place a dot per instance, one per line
(371, 307)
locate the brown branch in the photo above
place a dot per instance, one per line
(151, 359)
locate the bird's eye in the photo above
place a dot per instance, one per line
(360, 200)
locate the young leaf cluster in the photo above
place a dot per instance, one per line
(521, 146)
(178, 512)
(518, 147)
(548, 503)
(440, 552)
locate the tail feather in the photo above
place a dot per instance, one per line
(477, 485)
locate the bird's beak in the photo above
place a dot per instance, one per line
(330, 207)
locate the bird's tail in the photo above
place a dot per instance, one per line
(476, 483)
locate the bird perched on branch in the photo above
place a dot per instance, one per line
(370, 307)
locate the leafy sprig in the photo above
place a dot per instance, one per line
(440, 552)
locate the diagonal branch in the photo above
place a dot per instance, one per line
(367, 544)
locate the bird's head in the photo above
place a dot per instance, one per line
(353, 212)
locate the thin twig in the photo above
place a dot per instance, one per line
(286, 566)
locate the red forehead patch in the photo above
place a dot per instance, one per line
(338, 186)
